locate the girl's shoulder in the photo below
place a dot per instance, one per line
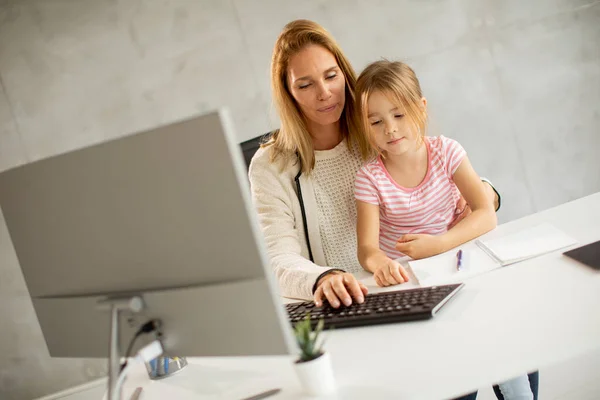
(372, 170)
(443, 147)
(441, 142)
(371, 166)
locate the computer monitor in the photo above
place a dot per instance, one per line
(164, 214)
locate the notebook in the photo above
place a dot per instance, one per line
(483, 255)
(525, 244)
(441, 269)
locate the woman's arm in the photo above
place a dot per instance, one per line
(371, 257)
(297, 276)
(492, 194)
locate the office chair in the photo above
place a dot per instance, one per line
(249, 147)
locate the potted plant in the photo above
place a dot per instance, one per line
(314, 365)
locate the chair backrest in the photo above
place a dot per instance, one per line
(249, 147)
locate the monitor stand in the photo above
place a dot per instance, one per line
(116, 305)
(164, 366)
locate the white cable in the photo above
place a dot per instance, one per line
(146, 354)
(123, 376)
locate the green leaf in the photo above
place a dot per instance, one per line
(309, 340)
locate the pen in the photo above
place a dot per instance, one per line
(263, 394)
(136, 394)
(459, 257)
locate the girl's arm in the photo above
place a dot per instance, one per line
(491, 193)
(371, 257)
(482, 219)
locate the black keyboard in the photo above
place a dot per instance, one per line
(378, 308)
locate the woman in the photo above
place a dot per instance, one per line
(302, 178)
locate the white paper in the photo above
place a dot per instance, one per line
(525, 244)
(441, 269)
(483, 256)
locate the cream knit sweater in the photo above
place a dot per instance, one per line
(330, 212)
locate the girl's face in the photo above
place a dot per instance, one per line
(393, 131)
(317, 84)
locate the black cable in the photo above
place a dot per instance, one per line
(304, 223)
(148, 327)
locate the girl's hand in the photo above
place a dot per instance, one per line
(339, 286)
(419, 246)
(390, 273)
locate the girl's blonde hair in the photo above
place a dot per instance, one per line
(399, 82)
(293, 137)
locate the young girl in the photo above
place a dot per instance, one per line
(408, 190)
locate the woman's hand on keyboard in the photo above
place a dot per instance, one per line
(339, 287)
(390, 273)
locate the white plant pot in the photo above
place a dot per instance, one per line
(316, 376)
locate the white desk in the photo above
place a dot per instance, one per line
(504, 323)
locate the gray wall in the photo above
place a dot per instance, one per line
(516, 82)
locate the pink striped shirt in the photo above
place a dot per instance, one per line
(427, 208)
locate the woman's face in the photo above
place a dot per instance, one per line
(317, 84)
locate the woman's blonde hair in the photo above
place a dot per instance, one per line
(399, 82)
(293, 137)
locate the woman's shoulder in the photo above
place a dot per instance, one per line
(261, 157)
(263, 162)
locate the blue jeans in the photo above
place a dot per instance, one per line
(534, 381)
